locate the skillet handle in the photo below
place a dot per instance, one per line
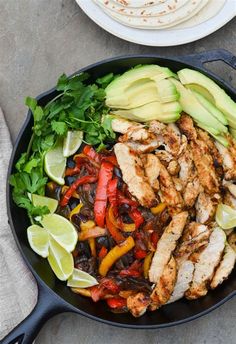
(209, 56)
(46, 307)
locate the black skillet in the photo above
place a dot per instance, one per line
(53, 296)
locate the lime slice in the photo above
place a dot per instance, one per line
(60, 260)
(61, 230)
(39, 240)
(41, 201)
(225, 216)
(72, 142)
(55, 163)
(81, 279)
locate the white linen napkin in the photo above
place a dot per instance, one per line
(18, 291)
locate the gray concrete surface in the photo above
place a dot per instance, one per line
(40, 39)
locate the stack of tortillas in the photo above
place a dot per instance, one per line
(161, 14)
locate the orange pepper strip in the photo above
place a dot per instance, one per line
(113, 230)
(125, 227)
(92, 233)
(114, 254)
(147, 263)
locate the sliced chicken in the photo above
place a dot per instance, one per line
(137, 304)
(172, 139)
(184, 278)
(204, 136)
(225, 267)
(205, 167)
(207, 260)
(230, 200)
(121, 125)
(165, 285)
(191, 192)
(133, 175)
(168, 192)
(195, 236)
(229, 165)
(152, 170)
(157, 127)
(205, 208)
(166, 245)
(173, 167)
(232, 240)
(143, 148)
(187, 128)
(164, 156)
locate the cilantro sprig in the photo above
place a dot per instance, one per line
(77, 106)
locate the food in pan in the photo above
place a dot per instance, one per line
(129, 186)
(161, 14)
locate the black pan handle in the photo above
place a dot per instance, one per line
(47, 306)
(209, 56)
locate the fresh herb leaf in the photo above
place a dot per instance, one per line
(59, 127)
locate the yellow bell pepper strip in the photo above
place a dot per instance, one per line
(147, 264)
(82, 291)
(76, 210)
(94, 232)
(84, 226)
(158, 209)
(114, 254)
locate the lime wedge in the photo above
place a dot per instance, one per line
(72, 142)
(60, 260)
(81, 279)
(39, 240)
(55, 163)
(225, 216)
(62, 231)
(41, 201)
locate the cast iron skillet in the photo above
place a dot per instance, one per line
(53, 296)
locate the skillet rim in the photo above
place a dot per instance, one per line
(197, 65)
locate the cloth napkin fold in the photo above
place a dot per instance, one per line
(18, 291)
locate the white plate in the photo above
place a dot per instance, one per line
(161, 38)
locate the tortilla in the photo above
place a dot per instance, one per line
(210, 10)
(169, 19)
(137, 3)
(160, 9)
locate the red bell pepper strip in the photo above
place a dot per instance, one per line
(137, 217)
(112, 193)
(68, 194)
(106, 286)
(115, 233)
(102, 253)
(72, 171)
(104, 177)
(134, 270)
(154, 239)
(139, 253)
(116, 302)
(90, 152)
(111, 159)
(121, 199)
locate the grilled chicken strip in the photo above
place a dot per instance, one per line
(121, 125)
(166, 245)
(229, 165)
(137, 304)
(165, 285)
(225, 267)
(195, 236)
(207, 260)
(152, 170)
(232, 240)
(205, 208)
(201, 155)
(184, 278)
(168, 192)
(133, 175)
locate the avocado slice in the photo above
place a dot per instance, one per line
(166, 91)
(220, 138)
(211, 108)
(163, 112)
(139, 86)
(221, 100)
(194, 108)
